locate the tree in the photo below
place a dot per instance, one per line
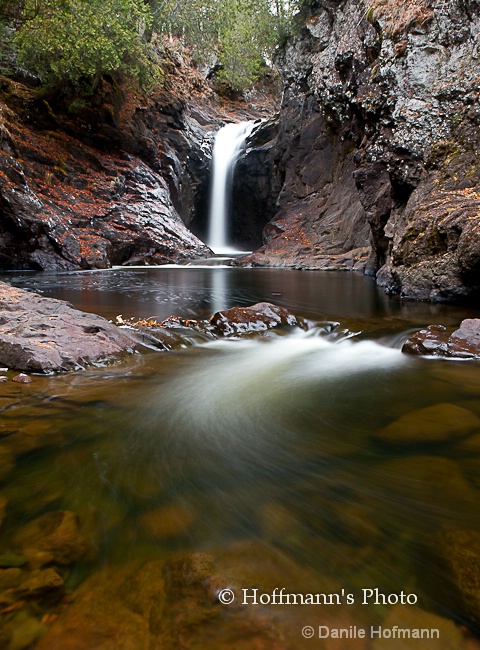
(240, 34)
(78, 41)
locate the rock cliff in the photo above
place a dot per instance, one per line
(100, 185)
(375, 161)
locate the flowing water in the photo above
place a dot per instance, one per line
(277, 439)
(228, 145)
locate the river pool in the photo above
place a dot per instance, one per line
(281, 441)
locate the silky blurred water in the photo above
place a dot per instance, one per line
(275, 438)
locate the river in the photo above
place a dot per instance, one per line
(280, 440)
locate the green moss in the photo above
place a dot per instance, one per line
(50, 111)
(411, 234)
(370, 14)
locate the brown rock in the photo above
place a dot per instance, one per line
(69, 205)
(111, 611)
(470, 445)
(193, 616)
(256, 318)
(435, 340)
(43, 335)
(56, 534)
(168, 521)
(176, 605)
(466, 340)
(22, 379)
(439, 423)
(454, 555)
(40, 583)
(23, 630)
(11, 578)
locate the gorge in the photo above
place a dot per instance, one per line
(375, 143)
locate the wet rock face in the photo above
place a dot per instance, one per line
(256, 184)
(66, 205)
(377, 141)
(43, 335)
(435, 340)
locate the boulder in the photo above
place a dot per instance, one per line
(44, 335)
(438, 423)
(56, 535)
(256, 318)
(435, 340)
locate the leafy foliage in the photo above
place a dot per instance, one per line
(76, 41)
(72, 43)
(240, 34)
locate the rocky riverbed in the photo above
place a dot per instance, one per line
(97, 519)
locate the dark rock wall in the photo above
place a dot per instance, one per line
(377, 147)
(100, 186)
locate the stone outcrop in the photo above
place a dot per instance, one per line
(377, 146)
(90, 187)
(256, 318)
(436, 340)
(44, 335)
(120, 178)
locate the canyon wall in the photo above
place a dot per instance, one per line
(103, 181)
(374, 164)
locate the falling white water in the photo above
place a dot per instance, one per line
(228, 145)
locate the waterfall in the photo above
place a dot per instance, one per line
(228, 145)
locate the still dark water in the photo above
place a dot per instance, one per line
(281, 441)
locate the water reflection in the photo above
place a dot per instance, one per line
(191, 292)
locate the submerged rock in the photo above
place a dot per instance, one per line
(256, 318)
(55, 536)
(414, 618)
(435, 340)
(439, 423)
(168, 521)
(175, 604)
(22, 631)
(44, 335)
(455, 554)
(42, 582)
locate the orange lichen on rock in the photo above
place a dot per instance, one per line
(398, 16)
